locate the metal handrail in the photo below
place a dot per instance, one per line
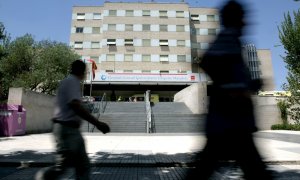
(101, 106)
(148, 112)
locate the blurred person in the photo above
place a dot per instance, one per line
(230, 121)
(70, 147)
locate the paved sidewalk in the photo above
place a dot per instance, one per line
(140, 155)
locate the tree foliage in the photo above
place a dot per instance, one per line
(37, 66)
(4, 41)
(289, 34)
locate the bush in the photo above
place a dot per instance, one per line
(283, 107)
(293, 127)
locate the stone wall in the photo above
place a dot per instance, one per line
(39, 108)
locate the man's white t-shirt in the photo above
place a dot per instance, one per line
(68, 90)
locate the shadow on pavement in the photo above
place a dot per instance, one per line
(124, 164)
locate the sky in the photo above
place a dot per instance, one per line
(51, 20)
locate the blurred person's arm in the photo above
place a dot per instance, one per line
(84, 114)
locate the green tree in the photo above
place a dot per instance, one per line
(4, 41)
(37, 66)
(51, 66)
(289, 34)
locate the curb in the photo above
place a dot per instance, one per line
(24, 164)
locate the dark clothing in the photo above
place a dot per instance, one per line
(230, 146)
(230, 107)
(230, 121)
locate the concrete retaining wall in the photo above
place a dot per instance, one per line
(266, 110)
(39, 108)
(195, 98)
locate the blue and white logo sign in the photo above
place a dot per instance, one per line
(103, 77)
(140, 77)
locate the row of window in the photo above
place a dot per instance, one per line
(148, 71)
(143, 43)
(147, 13)
(146, 27)
(202, 46)
(142, 57)
(146, 58)
(203, 31)
(132, 27)
(162, 13)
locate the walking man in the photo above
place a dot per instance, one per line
(230, 121)
(70, 147)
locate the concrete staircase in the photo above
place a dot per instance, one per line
(175, 117)
(123, 117)
(168, 117)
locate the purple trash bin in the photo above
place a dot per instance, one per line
(12, 120)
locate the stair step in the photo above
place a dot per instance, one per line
(130, 117)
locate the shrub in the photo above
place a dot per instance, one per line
(293, 127)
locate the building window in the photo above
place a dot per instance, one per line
(146, 12)
(195, 45)
(109, 70)
(163, 72)
(80, 16)
(204, 46)
(203, 31)
(128, 27)
(96, 16)
(146, 27)
(95, 45)
(212, 32)
(128, 42)
(129, 13)
(164, 58)
(128, 71)
(146, 42)
(146, 58)
(95, 58)
(211, 18)
(163, 42)
(110, 57)
(96, 30)
(163, 14)
(194, 17)
(180, 14)
(78, 45)
(111, 42)
(181, 58)
(163, 28)
(197, 31)
(180, 42)
(179, 28)
(146, 71)
(112, 12)
(193, 31)
(79, 29)
(111, 27)
(128, 57)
